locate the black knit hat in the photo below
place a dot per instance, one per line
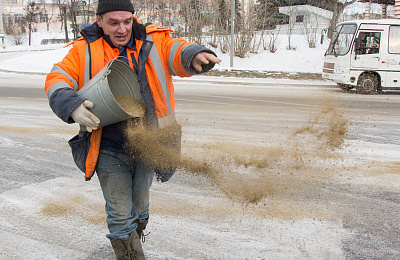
(105, 6)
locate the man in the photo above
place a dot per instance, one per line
(155, 56)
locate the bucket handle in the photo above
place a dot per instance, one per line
(126, 58)
(111, 62)
(108, 69)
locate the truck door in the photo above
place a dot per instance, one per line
(392, 59)
(366, 51)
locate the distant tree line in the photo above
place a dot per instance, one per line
(202, 21)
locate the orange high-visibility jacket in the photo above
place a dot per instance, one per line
(158, 56)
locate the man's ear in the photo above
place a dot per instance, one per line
(99, 20)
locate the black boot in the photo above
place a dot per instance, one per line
(141, 226)
(128, 248)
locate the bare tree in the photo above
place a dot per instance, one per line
(62, 16)
(140, 9)
(272, 43)
(289, 29)
(238, 16)
(222, 15)
(192, 12)
(309, 28)
(32, 12)
(218, 18)
(47, 11)
(337, 8)
(87, 12)
(15, 31)
(62, 5)
(267, 14)
(165, 13)
(246, 39)
(13, 27)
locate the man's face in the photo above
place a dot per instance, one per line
(117, 24)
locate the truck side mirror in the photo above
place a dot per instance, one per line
(323, 32)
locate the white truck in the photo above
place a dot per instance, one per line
(365, 54)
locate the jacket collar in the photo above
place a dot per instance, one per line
(131, 44)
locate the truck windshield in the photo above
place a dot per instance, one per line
(341, 41)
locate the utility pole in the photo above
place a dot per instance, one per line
(232, 30)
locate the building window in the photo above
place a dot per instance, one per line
(43, 18)
(299, 18)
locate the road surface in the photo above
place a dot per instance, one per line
(289, 171)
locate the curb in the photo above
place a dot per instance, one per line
(229, 74)
(264, 74)
(220, 75)
(25, 73)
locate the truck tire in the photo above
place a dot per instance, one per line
(345, 87)
(367, 84)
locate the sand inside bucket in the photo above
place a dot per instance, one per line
(130, 105)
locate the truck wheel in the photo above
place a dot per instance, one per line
(345, 87)
(367, 84)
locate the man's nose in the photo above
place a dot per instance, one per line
(121, 28)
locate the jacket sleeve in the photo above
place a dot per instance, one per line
(61, 86)
(180, 54)
(188, 54)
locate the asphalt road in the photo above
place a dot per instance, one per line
(34, 150)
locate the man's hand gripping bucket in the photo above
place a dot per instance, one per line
(115, 80)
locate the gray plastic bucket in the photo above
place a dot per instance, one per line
(116, 79)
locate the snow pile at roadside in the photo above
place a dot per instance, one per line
(40, 58)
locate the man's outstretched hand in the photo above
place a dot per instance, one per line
(203, 58)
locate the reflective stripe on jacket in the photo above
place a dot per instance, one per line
(158, 56)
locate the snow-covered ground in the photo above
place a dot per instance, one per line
(40, 58)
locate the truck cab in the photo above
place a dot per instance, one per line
(364, 54)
